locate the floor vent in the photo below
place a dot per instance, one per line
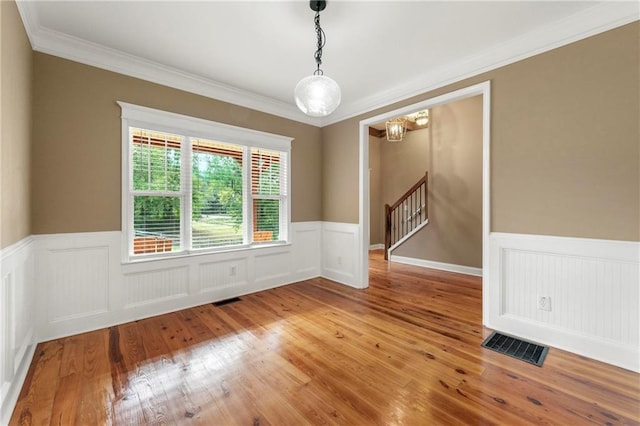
(226, 301)
(517, 348)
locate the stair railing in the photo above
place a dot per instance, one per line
(407, 214)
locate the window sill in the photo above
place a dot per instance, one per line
(142, 259)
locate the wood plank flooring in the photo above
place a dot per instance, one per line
(406, 351)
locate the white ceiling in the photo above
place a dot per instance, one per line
(254, 52)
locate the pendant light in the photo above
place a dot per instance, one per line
(318, 95)
(422, 118)
(396, 129)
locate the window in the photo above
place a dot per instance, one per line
(156, 191)
(216, 194)
(267, 195)
(192, 185)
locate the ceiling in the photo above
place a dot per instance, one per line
(253, 53)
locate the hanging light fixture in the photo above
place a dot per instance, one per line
(396, 129)
(318, 95)
(422, 118)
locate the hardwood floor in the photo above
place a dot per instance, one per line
(405, 351)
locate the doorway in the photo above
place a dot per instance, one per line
(482, 89)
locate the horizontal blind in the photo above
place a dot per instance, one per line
(268, 189)
(216, 194)
(156, 161)
(156, 168)
(156, 224)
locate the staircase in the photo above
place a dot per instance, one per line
(406, 216)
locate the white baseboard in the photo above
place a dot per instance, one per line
(468, 270)
(376, 247)
(593, 286)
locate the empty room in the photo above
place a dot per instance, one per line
(319, 212)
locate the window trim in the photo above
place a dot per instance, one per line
(192, 127)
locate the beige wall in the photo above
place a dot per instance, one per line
(376, 205)
(15, 126)
(340, 172)
(77, 144)
(403, 163)
(565, 150)
(451, 150)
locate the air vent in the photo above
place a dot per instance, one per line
(226, 301)
(516, 348)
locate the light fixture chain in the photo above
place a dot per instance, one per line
(317, 95)
(321, 42)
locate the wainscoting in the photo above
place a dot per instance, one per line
(594, 291)
(340, 252)
(82, 285)
(17, 323)
(63, 284)
(88, 288)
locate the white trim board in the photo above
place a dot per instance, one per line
(450, 267)
(601, 17)
(376, 247)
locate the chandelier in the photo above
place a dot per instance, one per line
(422, 118)
(317, 95)
(396, 129)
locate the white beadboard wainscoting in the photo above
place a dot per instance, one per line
(85, 287)
(593, 285)
(17, 323)
(594, 291)
(340, 253)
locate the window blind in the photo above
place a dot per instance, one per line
(156, 167)
(156, 161)
(192, 184)
(216, 194)
(268, 189)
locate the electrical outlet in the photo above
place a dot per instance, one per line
(232, 271)
(544, 303)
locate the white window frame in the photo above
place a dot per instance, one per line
(136, 116)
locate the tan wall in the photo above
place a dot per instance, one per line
(15, 126)
(403, 163)
(340, 172)
(565, 145)
(77, 144)
(376, 205)
(454, 161)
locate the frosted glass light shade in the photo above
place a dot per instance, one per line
(317, 95)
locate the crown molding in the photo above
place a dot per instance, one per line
(597, 19)
(594, 20)
(75, 49)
